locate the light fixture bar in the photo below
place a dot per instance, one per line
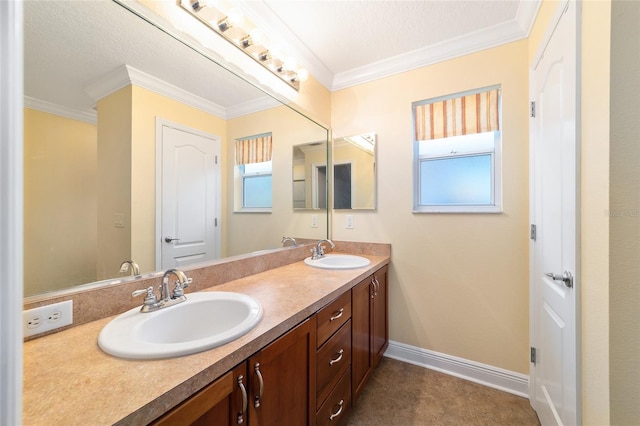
(252, 43)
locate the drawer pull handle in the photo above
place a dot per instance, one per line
(256, 402)
(337, 413)
(244, 400)
(334, 360)
(337, 315)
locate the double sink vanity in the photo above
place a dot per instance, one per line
(298, 339)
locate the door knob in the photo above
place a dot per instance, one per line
(566, 278)
(169, 239)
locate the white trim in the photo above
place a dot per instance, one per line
(126, 75)
(11, 210)
(252, 106)
(519, 28)
(88, 116)
(261, 15)
(497, 35)
(483, 374)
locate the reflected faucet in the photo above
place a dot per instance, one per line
(285, 239)
(135, 269)
(318, 251)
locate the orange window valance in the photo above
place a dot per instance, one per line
(464, 115)
(255, 149)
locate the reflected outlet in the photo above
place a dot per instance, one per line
(47, 318)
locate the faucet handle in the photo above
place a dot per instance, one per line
(150, 296)
(178, 290)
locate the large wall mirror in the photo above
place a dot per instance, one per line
(103, 90)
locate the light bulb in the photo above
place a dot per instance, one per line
(235, 17)
(302, 74)
(290, 64)
(257, 36)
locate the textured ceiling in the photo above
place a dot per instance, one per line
(350, 34)
(70, 45)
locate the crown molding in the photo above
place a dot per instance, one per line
(507, 32)
(252, 106)
(261, 15)
(88, 116)
(125, 75)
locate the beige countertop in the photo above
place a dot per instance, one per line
(68, 380)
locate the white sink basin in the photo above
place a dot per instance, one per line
(205, 320)
(338, 261)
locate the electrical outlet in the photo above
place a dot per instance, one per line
(47, 318)
(349, 222)
(314, 220)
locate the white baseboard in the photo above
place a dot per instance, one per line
(487, 375)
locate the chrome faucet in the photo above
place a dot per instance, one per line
(151, 302)
(285, 239)
(135, 269)
(318, 251)
(181, 283)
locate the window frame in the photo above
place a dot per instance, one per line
(242, 177)
(496, 164)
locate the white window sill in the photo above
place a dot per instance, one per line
(457, 209)
(253, 210)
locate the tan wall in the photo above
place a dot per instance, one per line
(114, 182)
(315, 101)
(624, 231)
(147, 106)
(596, 29)
(258, 231)
(459, 281)
(59, 202)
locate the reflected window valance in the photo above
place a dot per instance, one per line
(254, 149)
(458, 116)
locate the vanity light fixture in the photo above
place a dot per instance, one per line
(365, 141)
(233, 27)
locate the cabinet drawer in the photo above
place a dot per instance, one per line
(331, 317)
(333, 358)
(335, 408)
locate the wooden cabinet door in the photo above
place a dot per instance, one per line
(380, 332)
(282, 377)
(361, 360)
(210, 406)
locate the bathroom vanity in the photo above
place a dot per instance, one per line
(321, 335)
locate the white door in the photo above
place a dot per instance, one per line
(554, 375)
(189, 196)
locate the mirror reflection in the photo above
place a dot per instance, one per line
(309, 176)
(105, 92)
(354, 172)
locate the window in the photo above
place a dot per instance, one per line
(457, 153)
(256, 185)
(253, 174)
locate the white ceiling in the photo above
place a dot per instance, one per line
(71, 45)
(343, 43)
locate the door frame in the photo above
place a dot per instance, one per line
(160, 123)
(553, 23)
(11, 210)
